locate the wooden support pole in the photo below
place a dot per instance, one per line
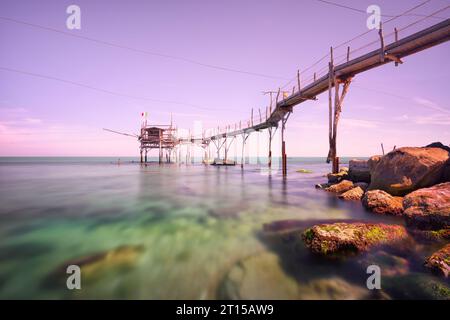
(270, 148)
(145, 156)
(380, 33)
(276, 101)
(283, 149)
(330, 110)
(337, 112)
(226, 150)
(271, 102)
(260, 116)
(315, 77)
(243, 146)
(141, 156)
(160, 146)
(396, 34)
(298, 80)
(252, 118)
(348, 53)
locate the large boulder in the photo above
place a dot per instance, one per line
(351, 237)
(358, 171)
(404, 170)
(340, 187)
(352, 194)
(439, 261)
(381, 202)
(429, 208)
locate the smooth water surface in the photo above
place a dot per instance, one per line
(179, 232)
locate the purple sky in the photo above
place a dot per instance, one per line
(407, 105)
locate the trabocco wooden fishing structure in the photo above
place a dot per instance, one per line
(335, 78)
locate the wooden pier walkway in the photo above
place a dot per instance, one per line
(336, 75)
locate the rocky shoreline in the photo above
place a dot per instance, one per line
(410, 183)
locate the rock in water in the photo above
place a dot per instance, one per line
(263, 277)
(415, 286)
(359, 171)
(337, 177)
(258, 277)
(429, 208)
(352, 194)
(340, 187)
(439, 261)
(351, 237)
(431, 235)
(381, 202)
(407, 169)
(95, 264)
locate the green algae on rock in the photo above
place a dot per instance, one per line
(416, 286)
(351, 237)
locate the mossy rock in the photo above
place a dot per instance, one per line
(304, 171)
(415, 286)
(333, 238)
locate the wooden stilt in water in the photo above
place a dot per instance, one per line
(141, 157)
(145, 155)
(160, 146)
(283, 144)
(270, 148)
(244, 139)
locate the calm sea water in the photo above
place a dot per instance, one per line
(182, 232)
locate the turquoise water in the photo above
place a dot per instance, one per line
(182, 232)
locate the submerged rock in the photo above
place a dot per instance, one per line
(351, 237)
(352, 194)
(262, 277)
(340, 187)
(429, 208)
(439, 261)
(333, 288)
(94, 264)
(304, 171)
(415, 286)
(390, 264)
(404, 170)
(258, 277)
(359, 171)
(431, 235)
(381, 202)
